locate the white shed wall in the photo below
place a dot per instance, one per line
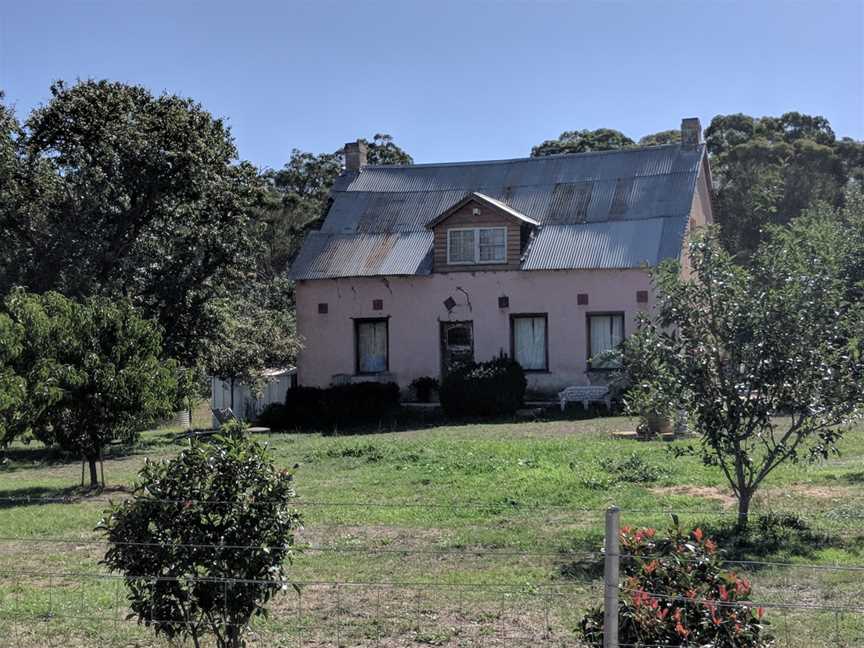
(246, 405)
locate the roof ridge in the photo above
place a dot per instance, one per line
(533, 184)
(630, 149)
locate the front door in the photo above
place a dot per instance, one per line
(457, 344)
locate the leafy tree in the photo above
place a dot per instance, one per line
(297, 202)
(204, 540)
(836, 235)
(123, 193)
(13, 388)
(768, 170)
(663, 137)
(255, 332)
(90, 371)
(582, 141)
(675, 592)
(383, 150)
(743, 347)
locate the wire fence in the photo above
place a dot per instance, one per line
(509, 578)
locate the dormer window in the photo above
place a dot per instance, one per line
(476, 245)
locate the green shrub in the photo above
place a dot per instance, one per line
(675, 593)
(493, 388)
(343, 406)
(632, 470)
(216, 514)
(424, 386)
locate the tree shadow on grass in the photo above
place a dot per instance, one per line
(770, 537)
(23, 457)
(580, 560)
(42, 496)
(777, 536)
(853, 478)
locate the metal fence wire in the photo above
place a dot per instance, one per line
(357, 584)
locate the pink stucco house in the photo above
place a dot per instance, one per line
(545, 259)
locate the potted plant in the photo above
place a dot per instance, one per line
(645, 381)
(423, 388)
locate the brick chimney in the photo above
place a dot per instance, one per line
(355, 155)
(691, 132)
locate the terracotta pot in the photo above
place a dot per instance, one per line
(653, 425)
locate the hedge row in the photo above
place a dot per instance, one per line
(337, 406)
(495, 388)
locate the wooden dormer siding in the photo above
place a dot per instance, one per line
(489, 216)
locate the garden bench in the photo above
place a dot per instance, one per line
(585, 394)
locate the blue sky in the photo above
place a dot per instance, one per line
(449, 80)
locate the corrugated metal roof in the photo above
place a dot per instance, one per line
(327, 256)
(613, 244)
(589, 207)
(481, 198)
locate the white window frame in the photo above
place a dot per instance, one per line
(476, 260)
(612, 315)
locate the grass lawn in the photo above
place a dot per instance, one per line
(459, 535)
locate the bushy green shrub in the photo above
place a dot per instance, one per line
(341, 406)
(674, 592)
(204, 541)
(424, 386)
(493, 388)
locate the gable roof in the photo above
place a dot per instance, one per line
(476, 196)
(607, 209)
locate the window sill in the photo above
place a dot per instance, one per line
(476, 263)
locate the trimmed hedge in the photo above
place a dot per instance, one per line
(339, 405)
(494, 388)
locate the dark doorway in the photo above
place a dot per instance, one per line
(457, 344)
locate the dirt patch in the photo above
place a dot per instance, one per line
(382, 614)
(711, 493)
(814, 491)
(370, 535)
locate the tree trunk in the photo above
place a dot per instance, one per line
(94, 476)
(233, 633)
(744, 499)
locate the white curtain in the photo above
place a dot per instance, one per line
(372, 347)
(529, 342)
(607, 332)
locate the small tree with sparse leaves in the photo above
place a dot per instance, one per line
(769, 361)
(204, 541)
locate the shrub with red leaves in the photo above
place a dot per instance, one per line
(674, 592)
